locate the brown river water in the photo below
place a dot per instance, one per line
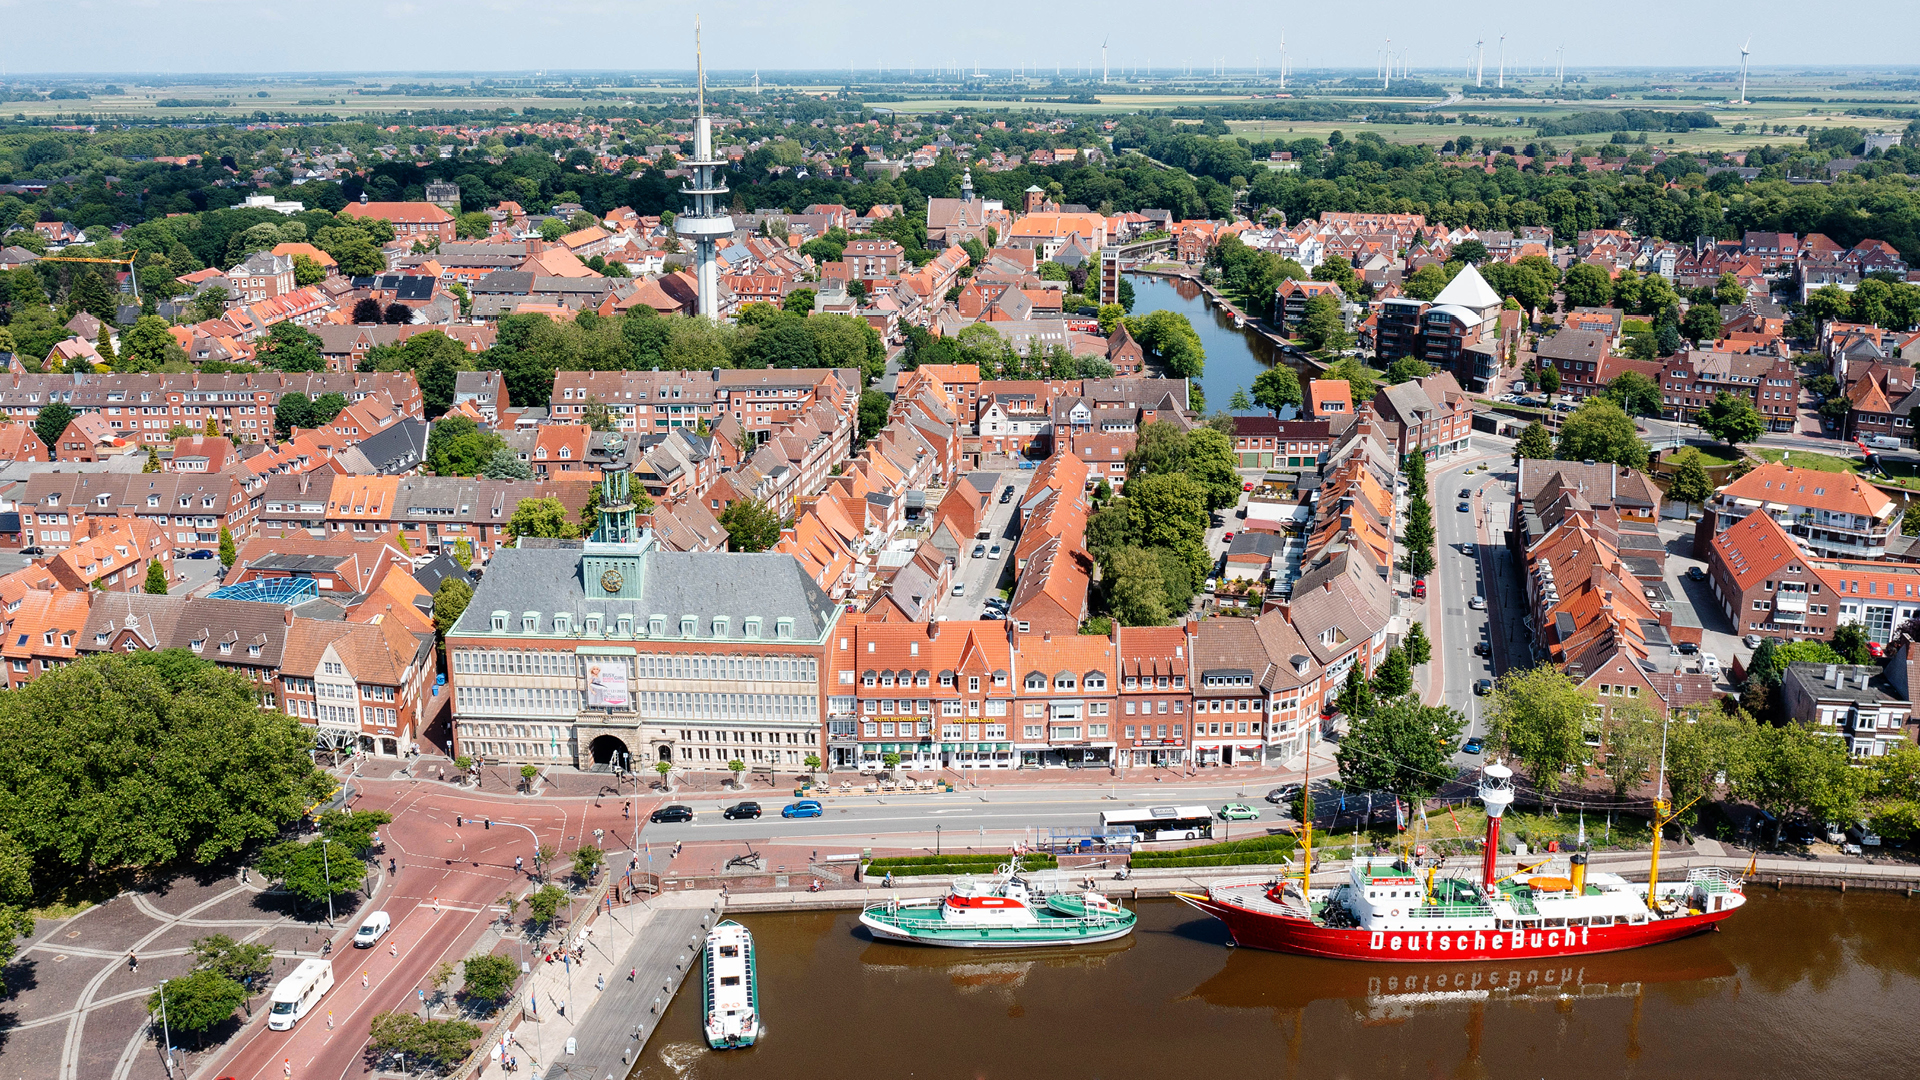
(1802, 983)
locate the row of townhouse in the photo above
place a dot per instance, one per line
(761, 401)
(359, 670)
(1599, 605)
(143, 408)
(186, 509)
(432, 513)
(1690, 380)
(1023, 416)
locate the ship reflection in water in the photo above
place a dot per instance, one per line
(1805, 983)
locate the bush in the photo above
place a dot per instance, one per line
(1251, 852)
(489, 979)
(968, 863)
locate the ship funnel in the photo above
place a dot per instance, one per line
(1496, 789)
(1580, 874)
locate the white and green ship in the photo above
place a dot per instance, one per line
(731, 984)
(1002, 912)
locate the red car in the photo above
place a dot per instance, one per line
(1248, 486)
(1419, 588)
(1876, 650)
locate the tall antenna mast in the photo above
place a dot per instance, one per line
(699, 69)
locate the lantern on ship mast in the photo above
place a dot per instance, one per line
(1496, 794)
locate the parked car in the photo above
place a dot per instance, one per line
(1227, 538)
(1694, 573)
(741, 810)
(1248, 486)
(1687, 648)
(1473, 745)
(1751, 641)
(1876, 650)
(803, 808)
(1481, 648)
(672, 812)
(372, 930)
(1234, 811)
(1283, 794)
(1483, 687)
(1710, 663)
(202, 553)
(1478, 603)
(1419, 588)
(993, 552)
(959, 588)
(979, 551)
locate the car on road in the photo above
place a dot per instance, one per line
(1694, 573)
(1248, 486)
(1007, 495)
(33, 549)
(741, 810)
(1282, 794)
(993, 552)
(1234, 811)
(1481, 648)
(1466, 508)
(672, 812)
(979, 551)
(959, 588)
(1226, 538)
(201, 553)
(803, 808)
(1483, 687)
(1751, 641)
(1466, 493)
(1473, 745)
(1561, 406)
(372, 930)
(1478, 603)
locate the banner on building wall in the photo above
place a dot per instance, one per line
(607, 684)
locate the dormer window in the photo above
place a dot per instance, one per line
(530, 622)
(226, 648)
(750, 628)
(783, 629)
(625, 625)
(721, 626)
(689, 626)
(253, 650)
(198, 643)
(499, 621)
(657, 625)
(562, 623)
(100, 639)
(593, 623)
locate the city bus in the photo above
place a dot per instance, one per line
(1162, 822)
(299, 992)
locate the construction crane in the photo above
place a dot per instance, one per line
(127, 262)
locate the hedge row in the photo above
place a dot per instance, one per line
(1242, 852)
(921, 866)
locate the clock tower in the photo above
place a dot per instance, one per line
(614, 560)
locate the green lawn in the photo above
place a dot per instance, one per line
(1713, 457)
(1803, 459)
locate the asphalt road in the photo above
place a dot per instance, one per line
(956, 814)
(1471, 560)
(983, 577)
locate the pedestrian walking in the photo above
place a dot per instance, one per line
(600, 982)
(133, 962)
(632, 973)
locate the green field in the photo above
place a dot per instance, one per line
(1804, 459)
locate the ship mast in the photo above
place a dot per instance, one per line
(1659, 812)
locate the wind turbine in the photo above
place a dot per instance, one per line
(1503, 62)
(1561, 66)
(1480, 62)
(1744, 50)
(1103, 59)
(1386, 66)
(1283, 59)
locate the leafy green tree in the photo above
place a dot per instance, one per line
(1793, 769)
(449, 600)
(1240, 402)
(156, 583)
(798, 302)
(1732, 419)
(313, 870)
(1276, 388)
(487, 980)
(873, 413)
(1426, 282)
(1135, 591)
(440, 1045)
(210, 303)
(1851, 642)
(586, 860)
(1419, 648)
(506, 465)
(90, 294)
(1356, 695)
(1699, 751)
(1391, 678)
(1728, 292)
(1547, 378)
(1404, 747)
(751, 525)
(1893, 793)
(1323, 328)
(1702, 324)
(197, 1002)
(245, 962)
(1629, 735)
(1690, 483)
(1470, 252)
(544, 905)
(291, 347)
(1828, 303)
(456, 446)
(1406, 369)
(1636, 394)
(227, 551)
(103, 344)
(1541, 717)
(1599, 431)
(147, 346)
(1587, 285)
(1534, 443)
(544, 518)
(52, 423)
(1360, 378)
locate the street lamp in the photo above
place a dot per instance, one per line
(327, 869)
(936, 839)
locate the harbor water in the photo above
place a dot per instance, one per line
(1234, 357)
(1804, 983)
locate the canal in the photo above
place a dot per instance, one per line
(1802, 983)
(1234, 357)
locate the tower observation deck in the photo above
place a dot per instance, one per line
(705, 219)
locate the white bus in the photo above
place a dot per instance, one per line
(299, 992)
(1162, 822)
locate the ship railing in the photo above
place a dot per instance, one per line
(1450, 911)
(1257, 893)
(1713, 879)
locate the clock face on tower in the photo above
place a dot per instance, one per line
(611, 581)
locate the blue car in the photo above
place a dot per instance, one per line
(803, 808)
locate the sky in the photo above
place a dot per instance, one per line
(216, 37)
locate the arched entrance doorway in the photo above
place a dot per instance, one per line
(609, 750)
(666, 754)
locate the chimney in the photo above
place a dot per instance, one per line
(1046, 635)
(933, 630)
(363, 198)
(289, 612)
(1831, 670)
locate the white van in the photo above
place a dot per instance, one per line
(297, 994)
(1883, 442)
(372, 930)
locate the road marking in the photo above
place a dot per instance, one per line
(966, 811)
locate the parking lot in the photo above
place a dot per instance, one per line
(981, 578)
(1717, 635)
